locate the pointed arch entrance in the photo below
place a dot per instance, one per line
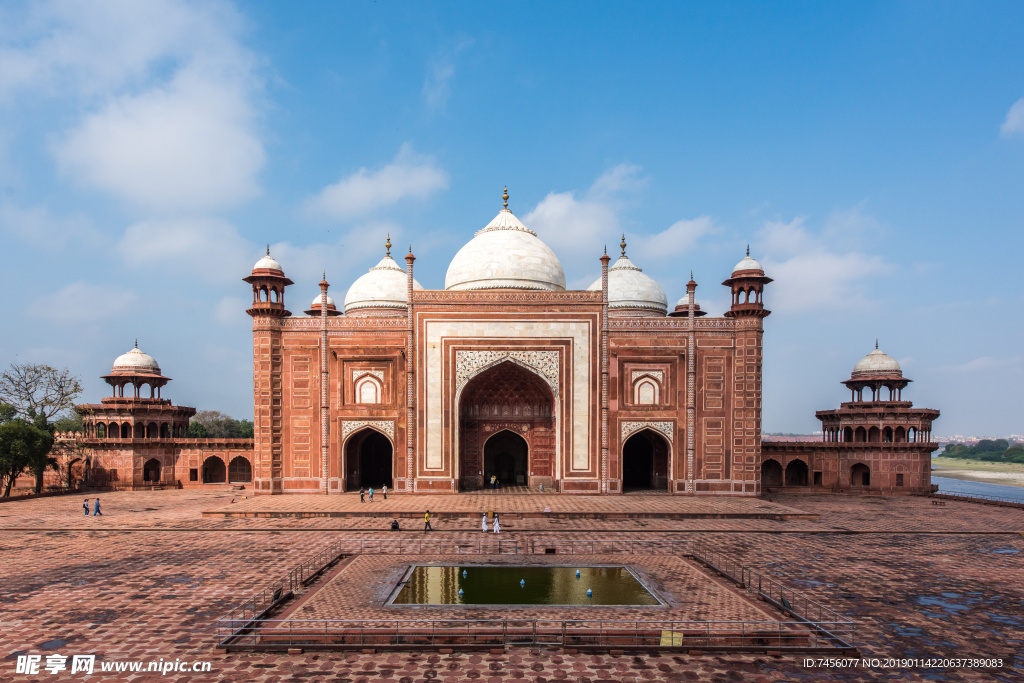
(506, 457)
(511, 406)
(369, 460)
(645, 462)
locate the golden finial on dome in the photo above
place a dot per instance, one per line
(137, 343)
(748, 250)
(268, 250)
(876, 343)
(622, 244)
(387, 245)
(504, 197)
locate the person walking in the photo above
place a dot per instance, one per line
(362, 495)
(497, 524)
(426, 522)
(371, 494)
(385, 490)
(494, 482)
(483, 523)
(85, 506)
(96, 510)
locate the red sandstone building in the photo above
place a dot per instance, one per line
(506, 376)
(875, 442)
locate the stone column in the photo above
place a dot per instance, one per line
(325, 413)
(410, 365)
(691, 378)
(604, 372)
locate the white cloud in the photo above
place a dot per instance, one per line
(185, 147)
(577, 227)
(1014, 123)
(440, 70)
(207, 248)
(409, 175)
(38, 227)
(808, 268)
(170, 93)
(673, 241)
(984, 363)
(83, 302)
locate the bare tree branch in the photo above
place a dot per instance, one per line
(37, 389)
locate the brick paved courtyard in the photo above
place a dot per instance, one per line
(147, 580)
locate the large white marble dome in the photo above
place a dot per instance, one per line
(386, 285)
(136, 361)
(505, 255)
(876, 362)
(629, 287)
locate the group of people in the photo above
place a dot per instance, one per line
(497, 523)
(362, 493)
(96, 509)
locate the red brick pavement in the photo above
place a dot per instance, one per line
(147, 580)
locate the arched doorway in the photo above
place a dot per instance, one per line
(507, 397)
(214, 471)
(507, 457)
(796, 473)
(151, 471)
(368, 460)
(239, 470)
(644, 462)
(76, 472)
(860, 475)
(771, 473)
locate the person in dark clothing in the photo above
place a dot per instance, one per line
(85, 506)
(362, 495)
(394, 525)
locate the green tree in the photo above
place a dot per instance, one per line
(23, 446)
(214, 424)
(69, 422)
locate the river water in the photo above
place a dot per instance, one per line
(977, 488)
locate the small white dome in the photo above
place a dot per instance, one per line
(136, 361)
(386, 285)
(876, 361)
(505, 255)
(748, 264)
(268, 262)
(628, 287)
(685, 300)
(330, 301)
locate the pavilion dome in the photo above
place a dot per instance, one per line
(330, 301)
(877, 362)
(268, 262)
(386, 285)
(136, 361)
(747, 264)
(629, 287)
(505, 255)
(684, 300)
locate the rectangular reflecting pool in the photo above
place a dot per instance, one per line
(544, 585)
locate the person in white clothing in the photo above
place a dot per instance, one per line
(483, 523)
(497, 524)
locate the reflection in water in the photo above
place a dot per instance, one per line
(469, 585)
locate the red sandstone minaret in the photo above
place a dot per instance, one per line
(268, 283)
(747, 283)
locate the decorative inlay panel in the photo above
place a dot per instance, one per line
(505, 296)
(349, 426)
(666, 428)
(379, 374)
(468, 362)
(656, 374)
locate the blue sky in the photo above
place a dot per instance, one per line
(872, 155)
